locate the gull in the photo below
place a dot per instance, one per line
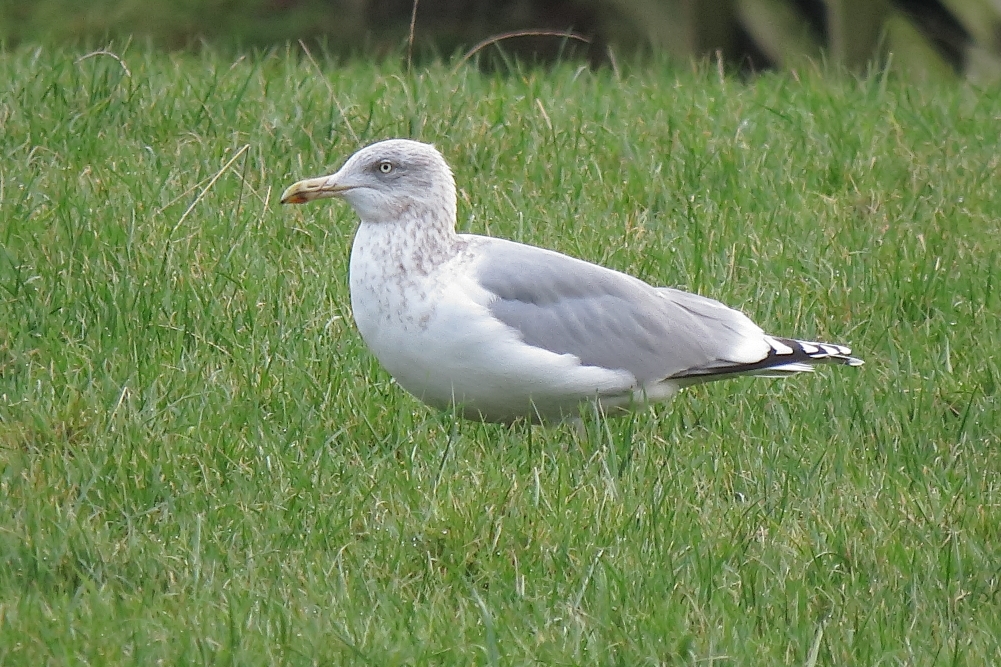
(504, 331)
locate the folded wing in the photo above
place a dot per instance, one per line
(609, 319)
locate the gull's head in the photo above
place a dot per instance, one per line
(385, 181)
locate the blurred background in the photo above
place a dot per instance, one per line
(927, 38)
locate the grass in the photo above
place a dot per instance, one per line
(200, 462)
(176, 24)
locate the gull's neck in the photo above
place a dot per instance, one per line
(418, 240)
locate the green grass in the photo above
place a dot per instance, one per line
(200, 461)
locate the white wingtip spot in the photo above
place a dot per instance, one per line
(809, 348)
(779, 347)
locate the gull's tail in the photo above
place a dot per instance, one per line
(787, 356)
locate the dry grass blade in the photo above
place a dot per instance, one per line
(333, 97)
(208, 187)
(410, 36)
(567, 34)
(109, 54)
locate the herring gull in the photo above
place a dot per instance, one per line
(503, 330)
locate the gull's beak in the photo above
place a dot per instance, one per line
(313, 188)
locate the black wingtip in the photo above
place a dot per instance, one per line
(788, 356)
(811, 352)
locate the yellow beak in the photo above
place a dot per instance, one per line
(312, 188)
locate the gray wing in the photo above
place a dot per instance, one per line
(612, 320)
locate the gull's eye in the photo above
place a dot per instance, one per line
(385, 166)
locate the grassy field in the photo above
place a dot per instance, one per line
(201, 463)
